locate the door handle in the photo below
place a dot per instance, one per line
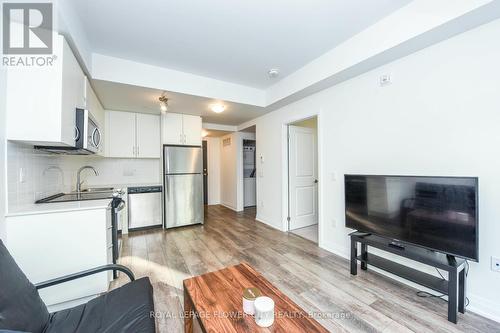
(315, 181)
(167, 185)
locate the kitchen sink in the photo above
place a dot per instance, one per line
(74, 196)
(98, 189)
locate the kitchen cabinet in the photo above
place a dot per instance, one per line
(181, 129)
(41, 101)
(191, 125)
(147, 136)
(132, 135)
(57, 243)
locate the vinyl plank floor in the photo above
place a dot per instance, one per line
(314, 278)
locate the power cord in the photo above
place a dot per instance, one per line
(425, 294)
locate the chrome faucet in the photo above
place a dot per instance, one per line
(78, 182)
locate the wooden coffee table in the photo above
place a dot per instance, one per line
(215, 299)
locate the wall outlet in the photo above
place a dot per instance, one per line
(495, 264)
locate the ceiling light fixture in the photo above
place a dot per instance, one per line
(163, 103)
(217, 108)
(273, 72)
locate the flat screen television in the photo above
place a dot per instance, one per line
(438, 213)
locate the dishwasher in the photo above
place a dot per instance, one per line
(144, 207)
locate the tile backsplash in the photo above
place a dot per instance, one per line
(33, 174)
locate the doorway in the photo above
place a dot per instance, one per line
(205, 172)
(303, 178)
(249, 174)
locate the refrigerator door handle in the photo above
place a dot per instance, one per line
(167, 160)
(167, 185)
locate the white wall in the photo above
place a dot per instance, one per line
(229, 171)
(3, 197)
(214, 170)
(47, 174)
(440, 116)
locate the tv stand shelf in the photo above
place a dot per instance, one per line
(454, 287)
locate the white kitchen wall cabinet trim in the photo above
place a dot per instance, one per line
(181, 129)
(132, 135)
(47, 117)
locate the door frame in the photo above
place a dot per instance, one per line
(285, 170)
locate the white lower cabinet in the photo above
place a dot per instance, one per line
(51, 245)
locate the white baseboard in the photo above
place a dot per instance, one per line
(263, 220)
(229, 207)
(478, 305)
(484, 307)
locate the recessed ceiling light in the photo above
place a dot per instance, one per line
(217, 108)
(163, 103)
(273, 72)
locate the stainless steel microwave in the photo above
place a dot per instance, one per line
(87, 136)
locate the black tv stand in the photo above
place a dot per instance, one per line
(454, 287)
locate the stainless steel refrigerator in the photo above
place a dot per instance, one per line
(182, 185)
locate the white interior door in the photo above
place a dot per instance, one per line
(303, 187)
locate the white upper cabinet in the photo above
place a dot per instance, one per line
(148, 135)
(191, 126)
(120, 134)
(42, 101)
(132, 135)
(172, 128)
(181, 129)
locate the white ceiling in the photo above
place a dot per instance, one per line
(124, 97)
(235, 41)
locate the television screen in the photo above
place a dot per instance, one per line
(438, 213)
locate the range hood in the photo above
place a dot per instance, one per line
(64, 150)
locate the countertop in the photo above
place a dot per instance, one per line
(47, 208)
(123, 185)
